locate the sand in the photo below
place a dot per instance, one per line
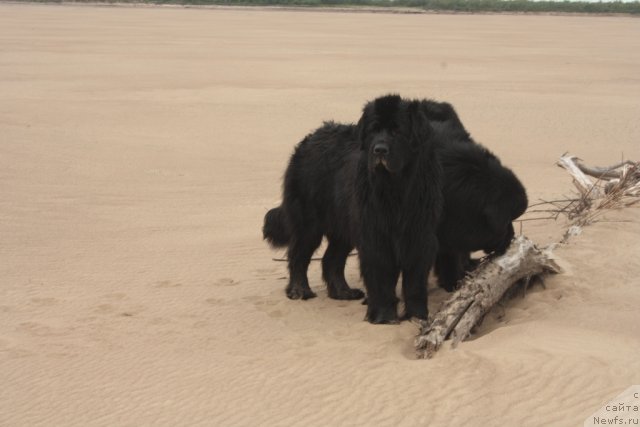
(141, 147)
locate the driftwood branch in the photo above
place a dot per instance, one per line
(610, 172)
(583, 183)
(623, 177)
(480, 292)
(617, 186)
(285, 259)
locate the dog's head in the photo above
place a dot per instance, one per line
(392, 131)
(508, 203)
(482, 198)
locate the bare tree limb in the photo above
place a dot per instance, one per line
(584, 184)
(480, 292)
(610, 172)
(285, 259)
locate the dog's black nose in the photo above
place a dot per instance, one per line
(381, 149)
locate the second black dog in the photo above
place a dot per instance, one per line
(481, 197)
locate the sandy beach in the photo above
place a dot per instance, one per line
(141, 147)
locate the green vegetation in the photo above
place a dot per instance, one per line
(469, 6)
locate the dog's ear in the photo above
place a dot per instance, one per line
(364, 124)
(421, 129)
(520, 202)
(496, 217)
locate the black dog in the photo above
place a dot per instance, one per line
(481, 197)
(375, 186)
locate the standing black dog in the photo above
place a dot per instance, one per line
(481, 197)
(375, 186)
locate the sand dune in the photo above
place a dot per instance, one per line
(141, 147)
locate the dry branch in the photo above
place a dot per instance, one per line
(285, 259)
(610, 172)
(583, 183)
(624, 176)
(617, 186)
(480, 292)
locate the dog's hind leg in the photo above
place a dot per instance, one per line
(333, 263)
(301, 248)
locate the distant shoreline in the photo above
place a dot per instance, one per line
(409, 10)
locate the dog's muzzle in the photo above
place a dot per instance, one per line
(380, 153)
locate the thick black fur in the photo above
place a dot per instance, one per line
(375, 186)
(481, 197)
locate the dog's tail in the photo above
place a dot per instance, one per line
(275, 229)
